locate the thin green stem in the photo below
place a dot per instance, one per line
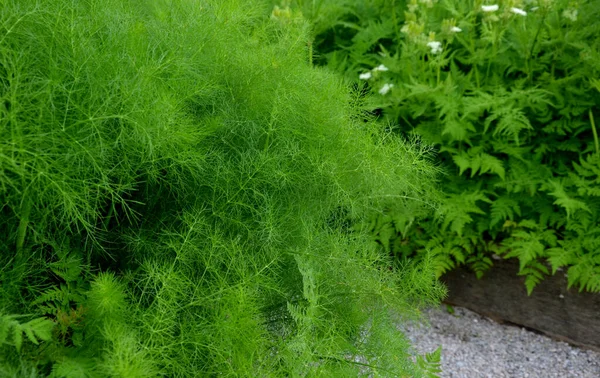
(472, 52)
(537, 34)
(26, 205)
(348, 361)
(494, 49)
(530, 55)
(594, 131)
(395, 21)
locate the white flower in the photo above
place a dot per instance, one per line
(380, 67)
(489, 8)
(436, 47)
(385, 89)
(518, 11)
(365, 76)
(455, 29)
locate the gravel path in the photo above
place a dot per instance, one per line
(475, 346)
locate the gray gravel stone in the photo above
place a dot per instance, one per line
(475, 346)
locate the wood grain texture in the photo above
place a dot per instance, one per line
(551, 309)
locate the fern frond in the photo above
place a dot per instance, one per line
(68, 267)
(430, 363)
(524, 245)
(585, 273)
(510, 122)
(528, 242)
(78, 367)
(503, 208)
(480, 263)
(456, 209)
(564, 255)
(570, 204)
(534, 273)
(479, 163)
(587, 175)
(441, 261)
(491, 164)
(36, 330)
(60, 296)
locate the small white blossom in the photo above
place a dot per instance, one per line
(518, 11)
(436, 47)
(489, 8)
(365, 76)
(380, 67)
(455, 29)
(385, 89)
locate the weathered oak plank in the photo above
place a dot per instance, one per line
(551, 309)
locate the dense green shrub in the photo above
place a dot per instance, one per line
(508, 92)
(183, 195)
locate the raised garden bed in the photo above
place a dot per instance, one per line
(551, 309)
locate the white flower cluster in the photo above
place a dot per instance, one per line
(435, 46)
(495, 7)
(385, 89)
(369, 74)
(518, 11)
(490, 8)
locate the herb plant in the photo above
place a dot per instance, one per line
(184, 195)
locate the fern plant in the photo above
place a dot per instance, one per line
(508, 95)
(12, 331)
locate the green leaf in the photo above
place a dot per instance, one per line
(456, 209)
(559, 257)
(570, 204)
(503, 208)
(586, 273)
(40, 328)
(479, 163)
(492, 164)
(480, 263)
(512, 122)
(463, 161)
(17, 336)
(430, 364)
(534, 274)
(525, 245)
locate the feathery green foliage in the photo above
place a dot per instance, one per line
(509, 97)
(184, 195)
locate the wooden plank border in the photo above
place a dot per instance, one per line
(551, 309)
